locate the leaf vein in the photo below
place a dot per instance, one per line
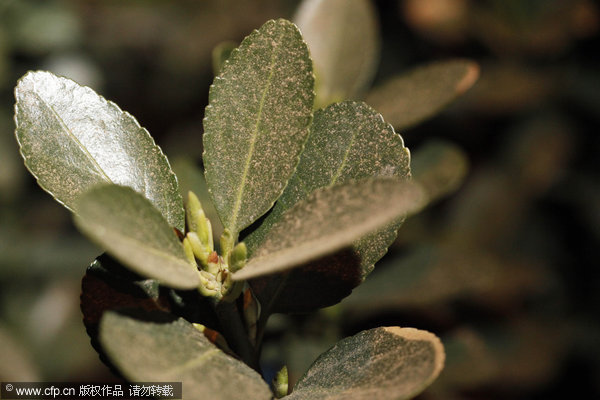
(75, 139)
(255, 134)
(338, 173)
(193, 363)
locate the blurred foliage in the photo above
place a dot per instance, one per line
(503, 268)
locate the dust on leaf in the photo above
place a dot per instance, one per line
(256, 122)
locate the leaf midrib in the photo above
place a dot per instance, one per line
(338, 173)
(74, 138)
(300, 182)
(238, 200)
(193, 363)
(284, 279)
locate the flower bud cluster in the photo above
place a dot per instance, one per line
(214, 269)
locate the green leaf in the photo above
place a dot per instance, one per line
(256, 122)
(381, 363)
(132, 230)
(410, 98)
(107, 286)
(319, 283)
(173, 350)
(348, 141)
(343, 39)
(440, 167)
(331, 219)
(72, 139)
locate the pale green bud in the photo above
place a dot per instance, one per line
(206, 292)
(232, 289)
(204, 229)
(208, 286)
(237, 259)
(221, 275)
(198, 248)
(192, 212)
(189, 252)
(208, 280)
(226, 243)
(205, 278)
(210, 241)
(280, 383)
(213, 268)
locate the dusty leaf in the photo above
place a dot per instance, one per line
(132, 230)
(331, 219)
(381, 363)
(343, 39)
(440, 167)
(72, 139)
(312, 285)
(419, 94)
(172, 350)
(256, 122)
(348, 140)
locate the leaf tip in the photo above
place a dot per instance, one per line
(470, 77)
(414, 334)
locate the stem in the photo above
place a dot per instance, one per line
(235, 333)
(265, 313)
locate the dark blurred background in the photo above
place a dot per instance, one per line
(503, 269)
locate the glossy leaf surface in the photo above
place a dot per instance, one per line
(256, 122)
(381, 363)
(129, 227)
(72, 139)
